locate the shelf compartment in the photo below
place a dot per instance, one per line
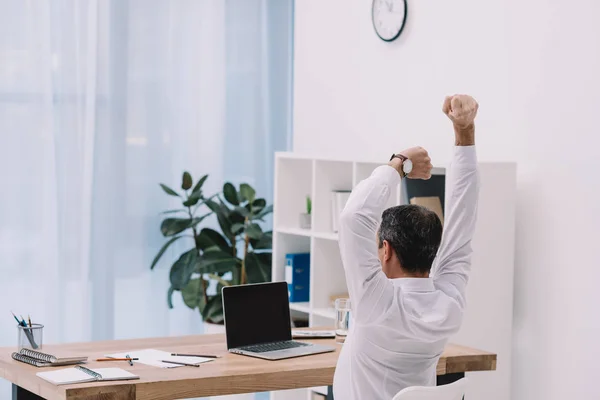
(293, 182)
(327, 273)
(285, 243)
(329, 176)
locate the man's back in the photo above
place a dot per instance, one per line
(399, 327)
(402, 347)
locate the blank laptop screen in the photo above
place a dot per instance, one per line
(256, 314)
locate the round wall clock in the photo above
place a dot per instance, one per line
(389, 18)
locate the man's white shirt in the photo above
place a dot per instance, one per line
(399, 327)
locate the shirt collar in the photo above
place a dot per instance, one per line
(414, 284)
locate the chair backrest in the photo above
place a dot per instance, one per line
(452, 391)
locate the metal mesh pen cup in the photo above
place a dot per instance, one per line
(30, 337)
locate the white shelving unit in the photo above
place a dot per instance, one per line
(488, 321)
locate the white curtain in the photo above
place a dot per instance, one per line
(99, 102)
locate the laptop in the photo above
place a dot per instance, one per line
(257, 323)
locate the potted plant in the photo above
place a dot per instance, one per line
(239, 254)
(305, 218)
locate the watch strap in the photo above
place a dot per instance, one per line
(402, 158)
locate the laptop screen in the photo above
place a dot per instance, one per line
(256, 314)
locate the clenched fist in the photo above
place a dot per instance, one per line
(421, 163)
(462, 110)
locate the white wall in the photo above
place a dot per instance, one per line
(534, 66)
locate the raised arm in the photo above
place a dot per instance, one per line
(453, 262)
(359, 221)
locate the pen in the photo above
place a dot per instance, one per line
(28, 332)
(193, 355)
(17, 319)
(117, 359)
(180, 363)
(130, 362)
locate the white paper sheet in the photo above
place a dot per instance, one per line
(154, 357)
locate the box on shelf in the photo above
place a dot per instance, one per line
(297, 276)
(338, 202)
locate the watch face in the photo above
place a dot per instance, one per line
(389, 17)
(407, 166)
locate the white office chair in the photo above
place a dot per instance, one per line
(452, 391)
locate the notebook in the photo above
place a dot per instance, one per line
(154, 358)
(81, 374)
(40, 359)
(320, 334)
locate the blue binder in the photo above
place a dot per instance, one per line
(297, 276)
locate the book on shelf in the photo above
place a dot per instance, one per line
(297, 276)
(339, 198)
(432, 203)
(39, 359)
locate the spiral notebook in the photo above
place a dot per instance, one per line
(39, 359)
(79, 374)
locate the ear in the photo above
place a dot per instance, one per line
(388, 251)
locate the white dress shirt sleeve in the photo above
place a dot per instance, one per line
(367, 284)
(453, 262)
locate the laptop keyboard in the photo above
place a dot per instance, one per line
(274, 346)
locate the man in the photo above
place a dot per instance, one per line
(401, 316)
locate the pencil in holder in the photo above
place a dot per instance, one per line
(30, 337)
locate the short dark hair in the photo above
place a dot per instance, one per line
(415, 233)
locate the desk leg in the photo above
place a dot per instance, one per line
(18, 393)
(449, 378)
(329, 393)
(441, 380)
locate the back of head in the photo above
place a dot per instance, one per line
(415, 233)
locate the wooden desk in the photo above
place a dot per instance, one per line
(230, 374)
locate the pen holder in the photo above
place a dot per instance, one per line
(31, 337)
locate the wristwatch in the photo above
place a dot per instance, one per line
(407, 165)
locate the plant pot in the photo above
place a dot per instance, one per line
(305, 221)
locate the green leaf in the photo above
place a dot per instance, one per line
(209, 238)
(168, 190)
(186, 181)
(258, 267)
(213, 312)
(199, 184)
(193, 294)
(265, 241)
(264, 212)
(247, 192)
(223, 213)
(183, 268)
(183, 210)
(215, 261)
(258, 205)
(170, 297)
(193, 199)
(237, 228)
(162, 251)
(173, 226)
(254, 231)
(243, 211)
(230, 194)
